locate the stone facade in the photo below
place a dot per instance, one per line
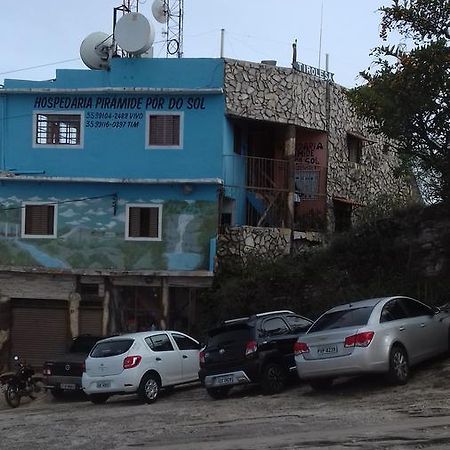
(285, 96)
(246, 243)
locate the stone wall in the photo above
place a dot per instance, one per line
(241, 244)
(282, 95)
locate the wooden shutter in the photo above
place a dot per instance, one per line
(164, 130)
(39, 219)
(143, 222)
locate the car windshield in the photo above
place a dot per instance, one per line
(341, 319)
(83, 344)
(111, 348)
(230, 333)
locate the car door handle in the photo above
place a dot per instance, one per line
(422, 325)
(158, 359)
(184, 357)
(402, 328)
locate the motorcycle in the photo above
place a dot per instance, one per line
(20, 384)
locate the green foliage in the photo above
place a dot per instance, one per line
(407, 96)
(380, 258)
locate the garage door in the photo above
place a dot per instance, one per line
(90, 321)
(39, 330)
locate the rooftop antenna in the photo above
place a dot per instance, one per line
(320, 36)
(170, 12)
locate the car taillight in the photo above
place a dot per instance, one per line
(251, 348)
(131, 361)
(83, 367)
(201, 357)
(300, 347)
(359, 340)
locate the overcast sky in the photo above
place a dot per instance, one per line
(48, 33)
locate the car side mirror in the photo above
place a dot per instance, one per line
(436, 310)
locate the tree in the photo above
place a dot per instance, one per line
(407, 91)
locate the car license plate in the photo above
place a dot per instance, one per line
(103, 384)
(68, 387)
(227, 379)
(327, 350)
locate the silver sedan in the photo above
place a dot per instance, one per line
(380, 335)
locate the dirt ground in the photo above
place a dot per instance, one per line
(362, 413)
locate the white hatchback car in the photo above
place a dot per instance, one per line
(141, 363)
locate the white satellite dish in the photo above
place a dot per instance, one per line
(134, 33)
(95, 50)
(159, 11)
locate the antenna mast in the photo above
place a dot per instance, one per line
(174, 28)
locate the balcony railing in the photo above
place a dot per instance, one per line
(253, 172)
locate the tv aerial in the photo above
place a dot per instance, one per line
(170, 13)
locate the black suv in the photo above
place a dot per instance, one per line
(256, 349)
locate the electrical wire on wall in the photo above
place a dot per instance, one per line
(114, 199)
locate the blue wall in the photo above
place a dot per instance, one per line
(89, 233)
(114, 139)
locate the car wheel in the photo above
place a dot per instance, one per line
(219, 392)
(273, 378)
(321, 384)
(398, 366)
(98, 399)
(149, 388)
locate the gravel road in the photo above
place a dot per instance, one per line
(362, 413)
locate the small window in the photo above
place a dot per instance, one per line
(275, 326)
(392, 310)
(229, 333)
(341, 319)
(164, 130)
(298, 323)
(111, 348)
(144, 222)
(38, 221)
(185, 343)
(354, 146)
(416, 309)
(159, 343)
(58, 129)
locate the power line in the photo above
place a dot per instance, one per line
(40, 66)
(113, 197)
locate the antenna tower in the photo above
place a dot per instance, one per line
(174, 28)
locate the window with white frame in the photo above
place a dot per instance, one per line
(61, 129)
(164, 130)
(143, 222)
(38, 220)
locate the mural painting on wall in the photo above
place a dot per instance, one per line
(310, 180)
(91, 236)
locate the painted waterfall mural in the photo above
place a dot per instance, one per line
(91, 235)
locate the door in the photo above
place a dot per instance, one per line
(394, 318)
(165, 358)
(39, 330)
(189, 349)
(431, 333)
